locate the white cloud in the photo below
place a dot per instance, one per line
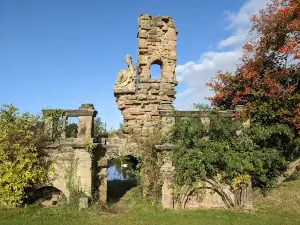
(239, 37)
(239, 22)
(241, 18)
(195, 74)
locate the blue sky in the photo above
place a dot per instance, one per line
(60, 54)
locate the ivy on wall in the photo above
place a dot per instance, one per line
(54, 113)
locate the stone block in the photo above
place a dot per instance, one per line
(144, 86)
(144, 17)
(85, 124)
(142, 97)
(145, 24)
(83, 203)
(171, 92)
(155, 85)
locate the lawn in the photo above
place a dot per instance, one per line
(281, 206)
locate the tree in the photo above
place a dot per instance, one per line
(267, 79)
(71, 130)
(99, 127)
(20, 164)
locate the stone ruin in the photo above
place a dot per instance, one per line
(140, 97)
(147, 107)
(72, 162)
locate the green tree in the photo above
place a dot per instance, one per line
(71, 130)
(99, 127)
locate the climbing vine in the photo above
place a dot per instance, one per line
(73, 182)
(56, 123)
(54, 113)
(88, 145)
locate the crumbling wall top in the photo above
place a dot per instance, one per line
(156, 45)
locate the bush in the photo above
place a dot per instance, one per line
(261, 152)
(20, 167)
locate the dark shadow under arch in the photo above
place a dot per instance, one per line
(44, 193)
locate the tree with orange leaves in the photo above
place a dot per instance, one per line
(267, 79)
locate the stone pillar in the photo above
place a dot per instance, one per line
(85, 126)
(64, 124)
(246, 198)
(167, 171)
(48, 126)
(103, 180)
(86, 122)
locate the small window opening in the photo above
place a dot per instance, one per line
(155, 71)
(72, 127)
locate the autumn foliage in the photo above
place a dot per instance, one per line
(267, 79)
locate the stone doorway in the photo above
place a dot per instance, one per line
(120, 177)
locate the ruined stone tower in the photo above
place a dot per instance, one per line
(140, 97)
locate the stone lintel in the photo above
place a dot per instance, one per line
(164, 147)
(166, 113)
(80, 112)
(71, 142)
(181, 113)
(77, 145)
(159, 80)
(119, 91)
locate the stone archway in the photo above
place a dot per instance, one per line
(47, 196)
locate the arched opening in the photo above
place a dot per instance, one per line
(46, 196)
(120, 177)
(156, 69)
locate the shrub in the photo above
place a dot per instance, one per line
(261, 152)
(20, 167)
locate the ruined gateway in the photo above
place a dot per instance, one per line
(147, 106)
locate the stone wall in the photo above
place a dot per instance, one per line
(140, 97)
(71, 163)
(189, 198)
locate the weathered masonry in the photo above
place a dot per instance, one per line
(74, 164)
(140, 97)
(188, 197)
(147, 106)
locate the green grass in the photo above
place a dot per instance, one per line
(282, 206)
